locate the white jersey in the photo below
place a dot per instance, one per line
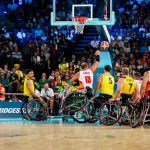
(139, 83)
(86, 78)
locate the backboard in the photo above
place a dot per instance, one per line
(99, 12)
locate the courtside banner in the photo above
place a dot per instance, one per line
(10, 109)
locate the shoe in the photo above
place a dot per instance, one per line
(49, 68)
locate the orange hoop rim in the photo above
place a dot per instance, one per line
(80, 19)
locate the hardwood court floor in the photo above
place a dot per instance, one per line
(54, 135)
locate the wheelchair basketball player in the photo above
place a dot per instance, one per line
(83, 80)
(126, 87)
(106, 83)
(29, 88)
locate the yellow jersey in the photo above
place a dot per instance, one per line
(63, 67)
(26, 91)
(128, 85)
(107, 84)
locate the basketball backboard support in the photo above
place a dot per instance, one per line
(77, 7)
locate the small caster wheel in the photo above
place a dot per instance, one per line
(120, 124)
(63, 119)
(66, 120)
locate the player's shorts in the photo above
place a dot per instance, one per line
(106, 97)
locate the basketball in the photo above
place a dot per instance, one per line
(104, 45)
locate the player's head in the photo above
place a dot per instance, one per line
(30, 74)
(125, 72)
(107, 68)
(84, 66)
(46, 86)
(137, 75)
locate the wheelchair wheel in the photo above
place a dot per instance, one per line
(23, 111)
(33, 110)
(97, 104)
(85, 115)
(110, 113)
(75, 102)
(138, 113)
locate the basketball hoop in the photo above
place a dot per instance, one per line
(81, 20)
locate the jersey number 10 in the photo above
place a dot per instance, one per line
(88, 79)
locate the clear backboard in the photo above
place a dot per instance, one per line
(99, 12)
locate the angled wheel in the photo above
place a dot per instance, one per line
(37, 110)
(97, 104)
(75, 102)
(138, 113)
(23, 111)
(110, 113)
(85, 115)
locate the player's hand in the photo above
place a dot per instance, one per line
(41, 99)
(97, 52)
(92, 98)
(111, 100)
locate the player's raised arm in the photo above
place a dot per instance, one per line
(144, 83)
(93, 68)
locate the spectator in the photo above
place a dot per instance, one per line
(51, 77)
(47, 57)
(18, 72)
(88, 47)
(14, 99)
(134, 47)
(131, 72)
(115, 41)
(43, 46)
(26, 51)
(144, 69)
(69, 80)
(121, 43)
(16, 55)
(10, 86)
(143, 48)
(135, 25)
(6, 69)
(42, 82)
(55, 79)
(95, 43)
(21, 35)
(143, 60)
(64, 65)
(124, 58)
(66, 76)
(48, 93)
(44, 37)
(61, 15)
(4, 81)
(60, 34)
(126, 47)
(58, 83)
(36, 63)
(39, 32)
(71, 67)
(63, 92)
(12, 9)
(15, 81)
(74, 59)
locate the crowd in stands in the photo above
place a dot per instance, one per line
(46, 49)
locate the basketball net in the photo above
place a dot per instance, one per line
(79, 28)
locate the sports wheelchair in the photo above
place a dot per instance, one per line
(78, 106)
(116, 112)
(146, 118)
(34, 109)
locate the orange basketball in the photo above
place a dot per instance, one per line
(104, 45)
